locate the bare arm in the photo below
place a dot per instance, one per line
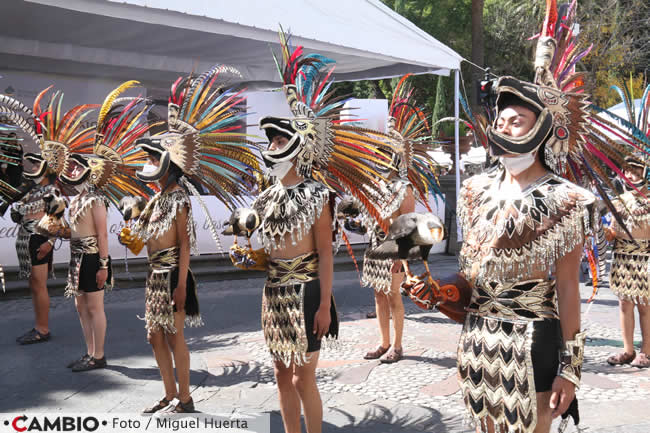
(568, 290)
(408, 204)
(99, 220)
(322, 230)
(184, 258)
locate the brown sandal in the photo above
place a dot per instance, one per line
(621, 358)
(377, 353)
(393, 356)
(163, 403)
(187, 407)
(641, 361)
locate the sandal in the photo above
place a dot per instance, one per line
(641, 361)
(84, 358)
(162, 404)
(377, 353)
(187, 407)
(621, 358)
(32, 337)
(91, 363)
(393, 356)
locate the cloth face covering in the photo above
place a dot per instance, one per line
(518, 164)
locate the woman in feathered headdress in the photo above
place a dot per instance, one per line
(35, 250)
(412, 177)
(312, 157)
(629, 273)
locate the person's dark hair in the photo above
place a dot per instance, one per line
(508, 99)
(174, 173)
(50, 176)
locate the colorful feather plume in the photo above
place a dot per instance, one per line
(118, 127)
(338, 153)
(409, 126)
(215, 150)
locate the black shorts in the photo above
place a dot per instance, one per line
(191, 300)
(88, 273)
(545, 352)
(35, 241)
(311, 305)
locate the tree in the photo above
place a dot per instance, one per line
(478, 46)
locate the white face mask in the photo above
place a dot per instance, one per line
(280, 170)
(149, 168)
(517, 164)
(83, 187)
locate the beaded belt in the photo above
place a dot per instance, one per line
(523, 300)
(298, 270)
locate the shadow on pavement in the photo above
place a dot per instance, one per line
(379, 419)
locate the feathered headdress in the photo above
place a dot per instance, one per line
(121, 121)
(10, 154)
(408, 125)
(322, 145)
(205, 136)
(581, 148)
(62, 136)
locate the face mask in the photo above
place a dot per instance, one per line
(149, 168)
(280, 169)
(83, 187)
(517, 164)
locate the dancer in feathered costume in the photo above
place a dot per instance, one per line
(97, 162)
(312, 157)
(413, 178)
(202, 146)
(525, 225)
(29, 204)
(630, 271)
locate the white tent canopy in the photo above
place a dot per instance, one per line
(155, 41)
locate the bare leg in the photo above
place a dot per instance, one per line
(543, 412)
(40, 297)
(181, 356)
(164, 360)
(95, 303)
(627, 325)
(86, 323)
(289, 398)
(397, 308)
(383, 317)
(304, 379)
(644, 319)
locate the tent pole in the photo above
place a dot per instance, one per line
(457, 140)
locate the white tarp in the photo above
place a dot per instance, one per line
(157, 40)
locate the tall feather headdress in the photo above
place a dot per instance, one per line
(327, 148)
(408, 125)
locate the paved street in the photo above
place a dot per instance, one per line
(232, 370)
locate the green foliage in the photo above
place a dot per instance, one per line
(439, 106)
(619, 30)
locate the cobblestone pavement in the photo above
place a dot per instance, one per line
(231, 368)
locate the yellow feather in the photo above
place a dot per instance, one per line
(108, 102)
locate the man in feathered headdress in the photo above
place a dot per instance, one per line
(202, 146)
(525, 226)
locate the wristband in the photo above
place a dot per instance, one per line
(571, 359)
(103, 263)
